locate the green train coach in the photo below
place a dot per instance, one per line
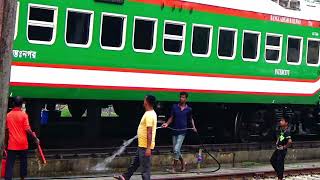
(245, 63)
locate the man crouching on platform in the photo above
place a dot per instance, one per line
(146, 141)
(283, 142)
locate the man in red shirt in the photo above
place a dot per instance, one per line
(17, 128)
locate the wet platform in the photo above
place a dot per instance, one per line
(83, 166)
(203, 173)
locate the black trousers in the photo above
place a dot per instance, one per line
(11, 158)
(140, 160)
(277, 162)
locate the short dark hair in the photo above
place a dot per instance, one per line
(151, 100)
(184, 94)
(17, 101)
(286, 118)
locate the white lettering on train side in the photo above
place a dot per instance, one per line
(282, 72)
(285, 19)
(24, 54)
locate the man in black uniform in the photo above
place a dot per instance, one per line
(283, 142)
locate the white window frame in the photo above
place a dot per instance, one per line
(16, 26)
(155, 30)
(312, 39)
(90, 28)
(234, 43)
(52, 25)
(175, 37)
(210, 40)
(271, 47)
(301, 48)
(258, 45)
(124, 30)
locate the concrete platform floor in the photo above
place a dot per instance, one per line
(82, 166)
(158, 175)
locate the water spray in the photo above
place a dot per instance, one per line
(102, 166)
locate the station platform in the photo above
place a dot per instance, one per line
(250, 171)
(82, 163)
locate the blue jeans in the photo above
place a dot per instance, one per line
(177, 141)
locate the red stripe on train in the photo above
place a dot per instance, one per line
(231, 12)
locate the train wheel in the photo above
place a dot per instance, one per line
(241, 127)
(252, 125)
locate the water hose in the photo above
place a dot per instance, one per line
(200, 142)
(203, 147)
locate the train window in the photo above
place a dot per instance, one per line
(227, 43)
(17, 21)
(273, 48)
(113, 31)
(313, 53)
(251, 45)
(294, 49)
(79, 25)
(42, 23)
(174, 37)
(201, 40)
(144, 34)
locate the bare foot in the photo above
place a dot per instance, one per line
(171, 170)
(120, 177)
(183, 168)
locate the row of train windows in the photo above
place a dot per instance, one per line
(79, 27)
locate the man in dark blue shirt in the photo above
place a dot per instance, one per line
(181, 114)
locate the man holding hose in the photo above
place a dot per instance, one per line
(146, 141)
(181, 114)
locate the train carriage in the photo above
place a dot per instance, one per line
(245, 63)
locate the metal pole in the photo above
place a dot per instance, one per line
(7, 25)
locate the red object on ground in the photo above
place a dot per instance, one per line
(3, 164)
(40, 153)
(43, 159)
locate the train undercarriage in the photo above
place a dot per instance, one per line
(107, 123)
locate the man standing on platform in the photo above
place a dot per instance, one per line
(17, 128)
(282, 144)
(181, 114)
(146, 141)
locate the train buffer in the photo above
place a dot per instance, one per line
(253, 171)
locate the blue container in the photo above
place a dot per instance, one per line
(44, 117)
